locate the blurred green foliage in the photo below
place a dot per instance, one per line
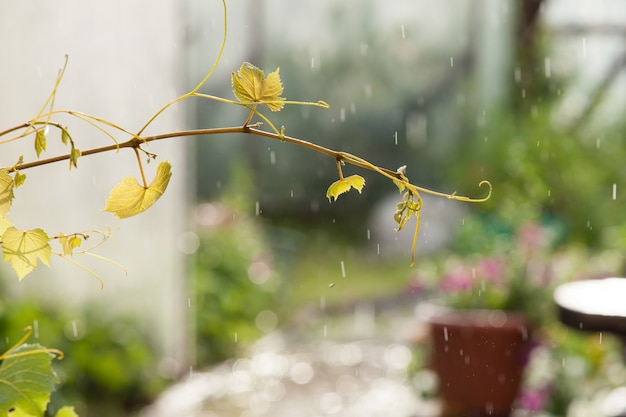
(235, 277)
(540, 169)
(110, 367)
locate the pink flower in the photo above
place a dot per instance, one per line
(534, 400)
(458, 280)
(490, 269)
(532, 237)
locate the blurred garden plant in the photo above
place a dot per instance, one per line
(26, 250)
(518, 273)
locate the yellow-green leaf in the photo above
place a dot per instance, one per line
(65, 136)
(40, 141)
(7, 183)
(4, 224)
(19, 178)
(26, 381)
(24, 249)
(66, 412)
(74, 155)
(344, 185)
(129, 198)
(250, 86)
(69, 243)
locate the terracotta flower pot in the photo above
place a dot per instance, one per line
(479, 357)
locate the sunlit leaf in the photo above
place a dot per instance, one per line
(19, 178)
(4, 224)
(69, 243)
(129, 198)
(74, 155)
(251, 86)
(24, 249)
(40, 141)
(65, 136)
(344, 185)
(7, 183)
(26, 381)
(66, 412)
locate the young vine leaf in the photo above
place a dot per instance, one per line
(26, 381)
(74, 155)
(69, 243)
(7, 183)
(252, 87)
(344, 185)
(129, 198)
(24, 249)
(40, 141)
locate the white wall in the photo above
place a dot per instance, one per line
(126, 60)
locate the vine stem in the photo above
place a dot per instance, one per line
(136, 142)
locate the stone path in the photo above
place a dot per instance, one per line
(352, 369)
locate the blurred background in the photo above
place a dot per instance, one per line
(529, 95)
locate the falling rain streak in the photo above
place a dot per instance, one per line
(343, 270)
(614, 192)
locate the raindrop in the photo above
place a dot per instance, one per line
(189, 302)
(452, 61)
(547, 67)
(36, 328)
(445, 334)
(518, 75)
(342, 114)
(363, 48)
(236, 337)
(301, 373)
(260, 271)
(600, 338)
(325, 330)
(312, 62)
(368, 90)
(331, 403)
(343, 270)
(188, 243)
(75, 330)
(395, 137)
(291, 193)
(352, 108)
(402, 31)
(257, 208)
(378, 248)
(614, 192)
(266, 321)
(368, 234)
(272, 157)
(331, 285)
